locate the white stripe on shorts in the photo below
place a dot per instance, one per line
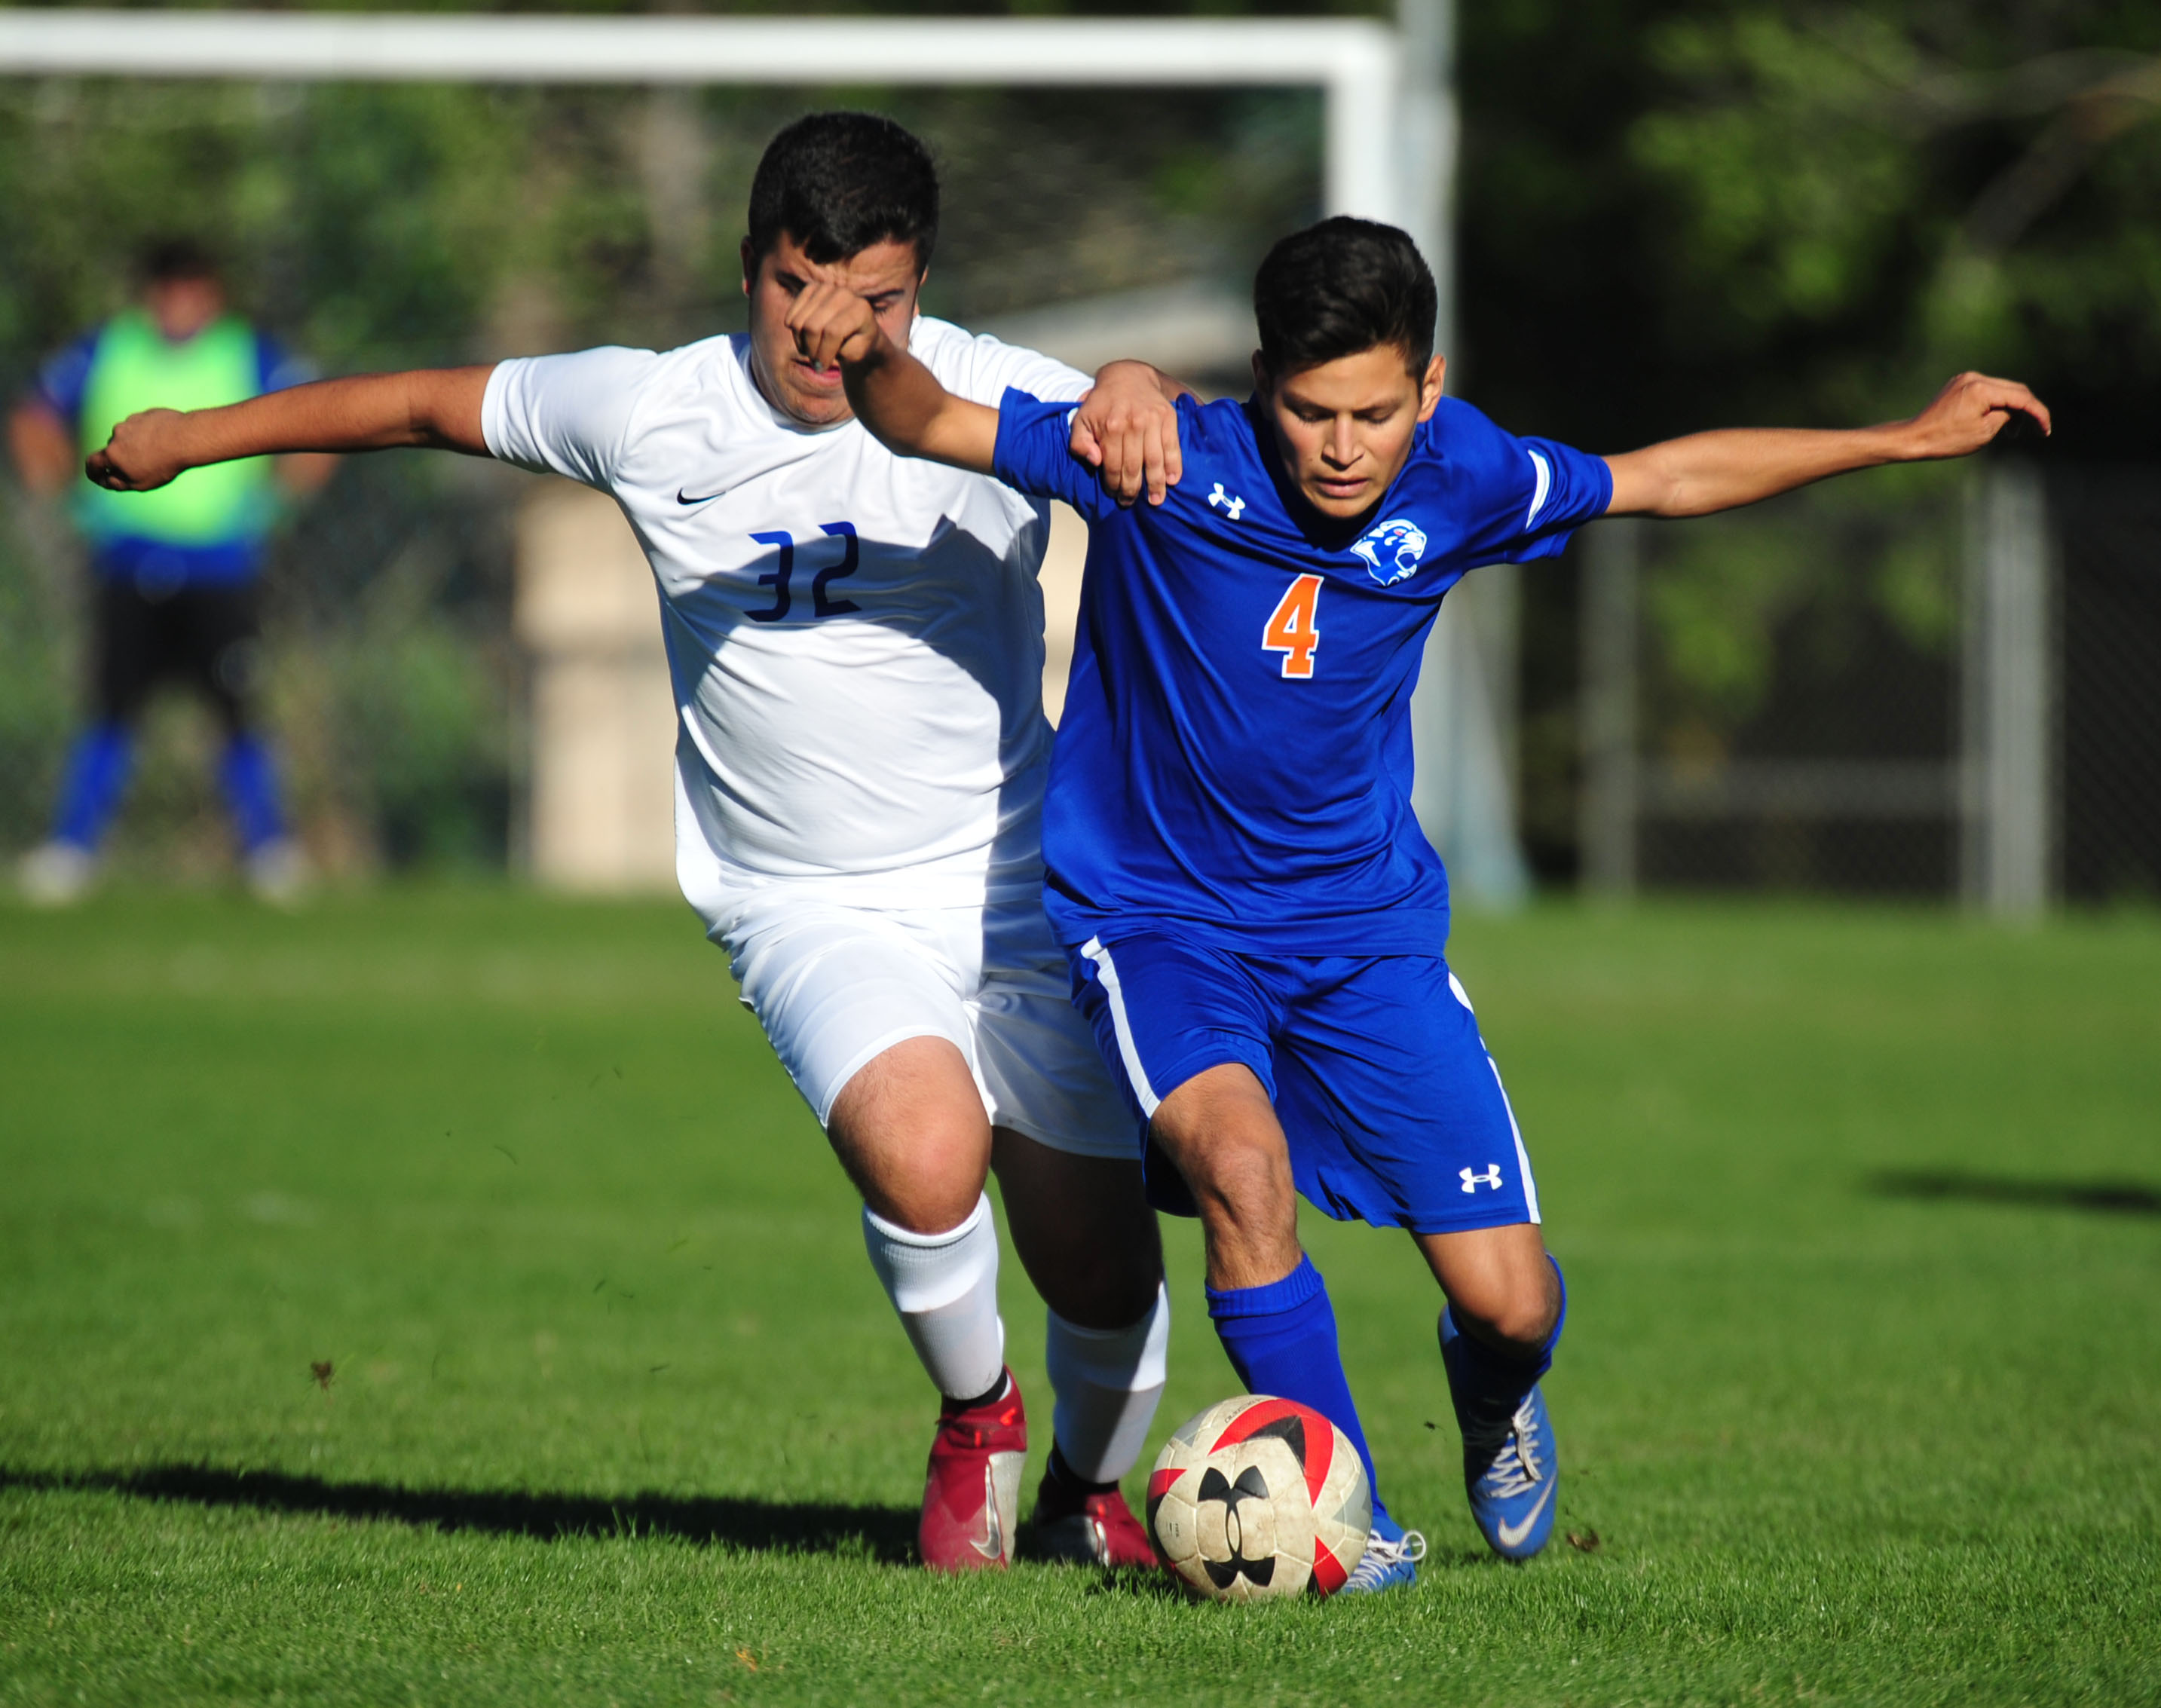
(1523, 1156)
(1128, 1052)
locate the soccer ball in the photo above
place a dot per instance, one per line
(1259, 1497)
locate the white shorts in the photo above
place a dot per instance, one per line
(834, 985)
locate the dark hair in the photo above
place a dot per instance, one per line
(839, 182)
(1340, 287)
(168, 259)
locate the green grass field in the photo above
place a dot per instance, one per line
(1861, 1393)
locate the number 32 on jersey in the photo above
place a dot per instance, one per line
(1294, 627)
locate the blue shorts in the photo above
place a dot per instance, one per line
(1394, 1111)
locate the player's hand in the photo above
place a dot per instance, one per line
(143, 453)
(832, 324)
(1968, 414)
(1127, 430)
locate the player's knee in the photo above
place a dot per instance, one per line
(1249, 1179)
(929, 1189)
(1517, 1315)
(1099, 1271)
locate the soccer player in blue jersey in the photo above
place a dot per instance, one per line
(1255, 922)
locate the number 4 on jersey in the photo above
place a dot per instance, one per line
(1292, 628)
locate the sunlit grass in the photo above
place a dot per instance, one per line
(442, 1295)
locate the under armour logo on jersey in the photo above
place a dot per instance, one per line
(1391, 552)
(1231, 507)
(1491, 1178)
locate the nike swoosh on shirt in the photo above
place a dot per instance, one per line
(684, 498)
(1512, 1534)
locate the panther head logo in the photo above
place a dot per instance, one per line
(1391, 550)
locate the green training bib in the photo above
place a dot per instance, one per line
(135, 368)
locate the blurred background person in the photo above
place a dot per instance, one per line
(175, 573)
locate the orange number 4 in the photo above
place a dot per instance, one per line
(1292, 628)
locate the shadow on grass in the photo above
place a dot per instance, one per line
(1147, 1584)
(2105, 1197)
(883, 1533)
(1138, 1583)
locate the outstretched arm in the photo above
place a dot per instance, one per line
(1709, 472)
(893, 395)
(434, 407)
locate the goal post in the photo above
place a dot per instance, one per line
(1354, 62)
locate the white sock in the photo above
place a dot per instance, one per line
(1107, 1381)
(945, 1287)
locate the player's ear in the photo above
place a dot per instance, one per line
(1263, 384)
(749, 266)
(1429, 387)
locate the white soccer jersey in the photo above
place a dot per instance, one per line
(855, 640)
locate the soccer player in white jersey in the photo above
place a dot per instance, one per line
(855, 644)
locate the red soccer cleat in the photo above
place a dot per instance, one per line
(1104, 1532)
(971, 1494)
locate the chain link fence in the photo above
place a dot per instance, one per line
(2108, 523)
(1942, 684)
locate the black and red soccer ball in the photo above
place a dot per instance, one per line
(1257, 1498)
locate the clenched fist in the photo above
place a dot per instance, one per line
(144, 453)
(832, 324)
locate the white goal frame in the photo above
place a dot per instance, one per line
(1354, 62)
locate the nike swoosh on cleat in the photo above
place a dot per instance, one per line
(1512, 1535)
(684, 498)
(994, 1547)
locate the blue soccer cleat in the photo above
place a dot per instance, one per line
(1390, 1560)
(1510, 1468)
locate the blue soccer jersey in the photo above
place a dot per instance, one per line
(1235, 755)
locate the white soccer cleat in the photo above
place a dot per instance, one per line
(277, 874)
(57, 874)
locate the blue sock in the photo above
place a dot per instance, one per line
(96, 772)
(1281, 1339)
(1487, 1385)
(251, 790)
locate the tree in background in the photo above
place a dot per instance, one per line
(1676, 212)
(1682, 213)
